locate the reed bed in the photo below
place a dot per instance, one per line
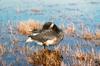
(45, 57)
(26, 28)
(13, 51)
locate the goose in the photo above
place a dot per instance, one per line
(49, 35)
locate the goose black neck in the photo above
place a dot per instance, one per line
(46, 25)
(56, 29)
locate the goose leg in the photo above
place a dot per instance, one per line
(44, 46)
(26, 46)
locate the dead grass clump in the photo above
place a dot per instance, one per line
(45, 57)
(80, 56)
(89, 58)
(88, 36)
(76, 65)
(97, 36)
(26, 28)
(2, 49)
(97, 62)
(70, 30)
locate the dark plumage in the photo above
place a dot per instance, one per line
(49, 35)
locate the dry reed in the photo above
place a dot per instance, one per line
(97, 36)
(2, 49)
(26, 28)
(88, 36)
(46, 57)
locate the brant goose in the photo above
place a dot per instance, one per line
(49, 35)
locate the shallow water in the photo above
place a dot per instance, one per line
(58, 11)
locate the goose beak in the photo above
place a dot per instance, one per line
(29, 40)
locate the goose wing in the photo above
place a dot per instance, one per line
(44, 36)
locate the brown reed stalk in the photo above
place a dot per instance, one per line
(45, 57)
(26, 27)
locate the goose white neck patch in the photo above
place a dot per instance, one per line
(51, 25)
(34, 34)
(29, 40)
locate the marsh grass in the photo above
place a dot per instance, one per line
(70, 30)
(2, 49)
(46, 57)
(97, 36)
(26, 28)
(63, 55)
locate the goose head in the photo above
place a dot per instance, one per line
(50, 25)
